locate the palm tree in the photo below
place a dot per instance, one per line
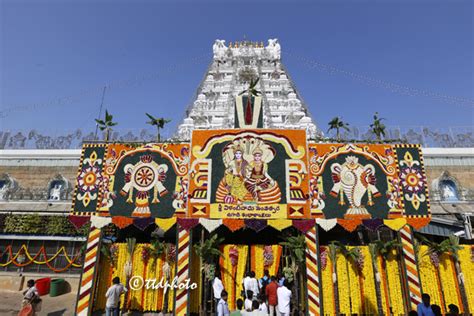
(158, 122)
(337, 123)
(106, 125)
(131, 242)
(251, 92)
(383, 249)
(296, 245)
(454, 252)
(451, 247)
(208, 251)
(373, 255)
(377, 127)
(333, 247)
(352, 255)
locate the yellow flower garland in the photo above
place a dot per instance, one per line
(328, 289)
(370, 294)
(231, 285)
(395, 286)
(467, 267)
(343, 285)
(428, 276)
(355, 294)
(450, 285)
(138, 270)
(257, 260)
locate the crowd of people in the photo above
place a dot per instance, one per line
(425, 308)
(269, 295)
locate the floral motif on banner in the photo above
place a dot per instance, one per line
(89, 180)
(366, 181)
(145, 181)
(413, 180)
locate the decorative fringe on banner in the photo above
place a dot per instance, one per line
(79, 221)
(143, 222)
(209, 224)
(99, 221)
(165, 223)
(233, 224)
(372, 224)
(256, 224)
(122, 221)
(280, 224)
(349, 224)
(326, 224)
(188, 223)
(418, 222)
(395, 224)
(303, 225)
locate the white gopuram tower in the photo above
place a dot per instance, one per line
(232, 69)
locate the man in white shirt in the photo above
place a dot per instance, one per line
(217, 288)
(251, 284)
(222, 307)
(112, 306)
(284, 298)
(248, 301)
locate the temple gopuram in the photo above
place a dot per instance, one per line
(248, 183)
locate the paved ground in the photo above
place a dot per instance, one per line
(52, 306)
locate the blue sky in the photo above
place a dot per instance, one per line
(153, 55)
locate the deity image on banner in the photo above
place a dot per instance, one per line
(246, 177)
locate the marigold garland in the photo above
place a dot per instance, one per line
(328, 287)
(428, 276)
(343, 285)
(232, 276)
(369, 297)
(395, 285)
(467, 266)
(450, 285)
(23, 251)
(257, 259)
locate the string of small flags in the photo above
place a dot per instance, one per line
(257, 225)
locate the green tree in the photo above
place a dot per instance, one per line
(333, 249)
(159, 122)
(106, 125)
(337, 124)
(352, 256)
(208, 251)
(295, 263)
(377, 127)
(252, 90)
(384, 250)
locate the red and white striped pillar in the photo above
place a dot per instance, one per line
(183, 265)
(89, 271)
(411, 267)
(312, 271)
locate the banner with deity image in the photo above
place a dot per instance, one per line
(367, 181)
(246, 174)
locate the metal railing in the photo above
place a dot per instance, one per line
(447, 137)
